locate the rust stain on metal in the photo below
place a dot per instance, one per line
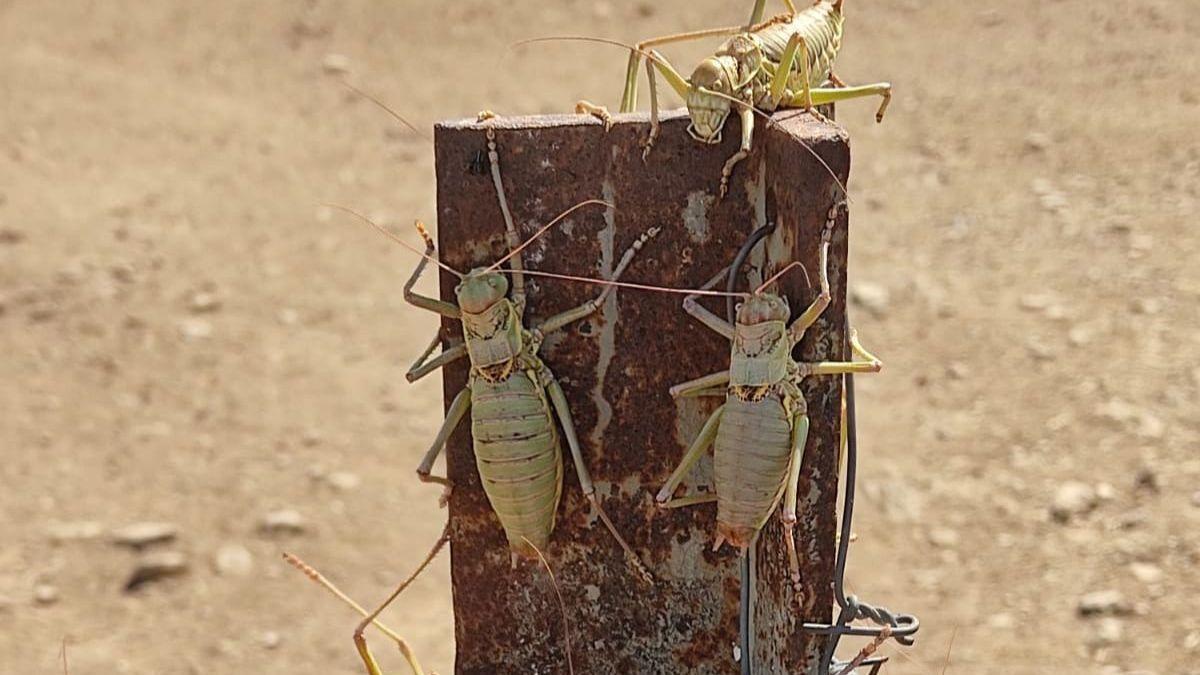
(616, 369)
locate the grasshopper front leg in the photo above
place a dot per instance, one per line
(412, 297)
(747, 114)
(590, 307)
(424, 365)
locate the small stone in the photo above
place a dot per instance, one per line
(1147, 480)
(271, 640)
(1109, 631)
(343, 481)
(82, 530)
(1039, 350)
(156, 566)
(288, 316)
(9, 236)
(45, 594)
(336, 64)
(1192, 642)
(1037, 141)
(1147, 306)
(1105, 492)
(284, 521)
(1080, 335)
(872, 297)
(944, 537)
(1147, 573)
(141, 535)
(1102, 603)
(1002, 621)
(233, 560)
(195, 329)
(1072, 499)
(958, 371)
(1037, 302)
(204, 302)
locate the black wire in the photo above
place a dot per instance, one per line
(739, 260)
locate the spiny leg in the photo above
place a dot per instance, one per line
(747, 114)
(413, 298)
(809, 317)
(796, 47)
(823, 95)
(363, 652)
(800, 424)
(864, 362)
(559, 400)
(760, 7)
(708, 434)
(424, 365)
(692, 306)
(360, 641)
(592, 306)
(510, 228)
(454, 415)
(701, 385)
(677, 81)
(629, 97)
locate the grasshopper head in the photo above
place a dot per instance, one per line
(707, 109)
(762, 308)
(480, 290)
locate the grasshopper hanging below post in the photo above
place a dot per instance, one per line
(783, 62)
(512, 395)
(760, 432)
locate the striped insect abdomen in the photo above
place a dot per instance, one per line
(517, 453)
(821, 27)
(751, 457)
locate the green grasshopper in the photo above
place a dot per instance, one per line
(760, 432)
(782, 62)
(511, 393)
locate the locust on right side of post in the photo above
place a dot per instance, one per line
(760, 432)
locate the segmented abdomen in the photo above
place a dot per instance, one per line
(517, 453)
(821, 26)
(751, 457)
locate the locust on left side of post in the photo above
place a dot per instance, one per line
(519, 411)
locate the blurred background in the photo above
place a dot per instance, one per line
(202, 367)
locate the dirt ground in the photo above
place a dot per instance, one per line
(189, 338)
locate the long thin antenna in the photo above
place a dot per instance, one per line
(389, 111)
(562, 606)
(387, 233)
(546, 227)
(779, 274)
(635, 286)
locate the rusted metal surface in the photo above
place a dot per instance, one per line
(616, 369)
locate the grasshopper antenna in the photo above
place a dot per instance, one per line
(387, 233)
(562, 606)
(651, 57)
(516, 251)
(792, 265)
(411, 127)
(631, 285)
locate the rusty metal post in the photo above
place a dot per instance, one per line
(616, 369)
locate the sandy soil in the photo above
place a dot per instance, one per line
(189, 338)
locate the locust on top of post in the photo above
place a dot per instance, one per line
(785, 61)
